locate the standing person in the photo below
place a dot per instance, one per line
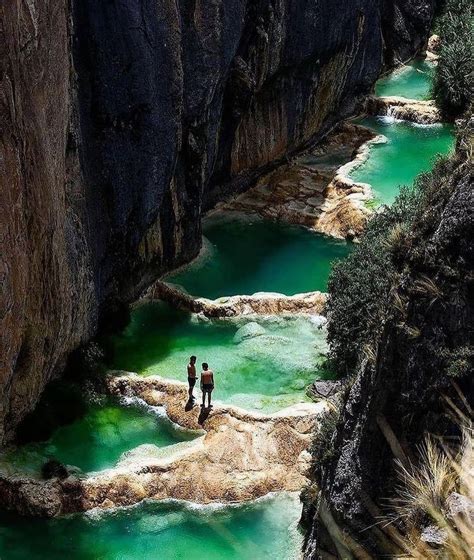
(207, 384)
(191, 376)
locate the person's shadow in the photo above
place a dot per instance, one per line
(204, 415)
(190, 404)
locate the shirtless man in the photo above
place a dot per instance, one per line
(207, 384)
(191, 375)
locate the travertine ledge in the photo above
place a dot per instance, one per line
(413, 110)
(304, 192)
(241, 456)
(261, 303)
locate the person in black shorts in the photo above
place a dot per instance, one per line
(207, 384)
(191, 376)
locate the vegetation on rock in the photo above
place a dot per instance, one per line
(454, 77)
(401, 325)
(362, 288)
(435, 498)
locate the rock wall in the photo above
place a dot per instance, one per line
(422, 352)
(122, 121)
(48, 300)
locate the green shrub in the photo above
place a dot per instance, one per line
(453, 86)
(322, 448)
(359, 286)
(363, 290)
(459, 361)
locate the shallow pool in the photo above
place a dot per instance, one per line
(98, 439)
(410, 149)
(413, 81)
(166, 531)
(244, 255)
(264, 364)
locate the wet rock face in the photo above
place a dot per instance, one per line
(121, 121)
(404, 27)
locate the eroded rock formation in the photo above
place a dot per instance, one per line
(261, 303)
(421, 112)
(121, 121)
(305, 192)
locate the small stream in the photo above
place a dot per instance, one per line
(260, 365)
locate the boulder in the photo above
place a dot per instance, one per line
(54, 469)
(433, 535)
(460, 505)
(325, 389)
(250, 330)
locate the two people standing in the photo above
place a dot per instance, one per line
(207, 381)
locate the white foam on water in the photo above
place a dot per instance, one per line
(148, 451)
(392, 120)
(389, 119)
(158, 411)
(432, 125)
(97, 514)
(137, 402)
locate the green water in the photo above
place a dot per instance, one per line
(247, 255)
(166, 531)
(411, 149)
(269, 369)
(97, 440)
(412, 81)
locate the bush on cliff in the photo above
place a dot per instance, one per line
(359, 286)
(362, 287)
(454, 76)
(421, 364)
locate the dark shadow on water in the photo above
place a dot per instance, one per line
(204, 415)
(151, 337)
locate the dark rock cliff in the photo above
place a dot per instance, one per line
(122, 121)
(421, 351)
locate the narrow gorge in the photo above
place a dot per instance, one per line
(180, 179)
(121, 123)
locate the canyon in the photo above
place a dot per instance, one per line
(122, 124)
(224, 179)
